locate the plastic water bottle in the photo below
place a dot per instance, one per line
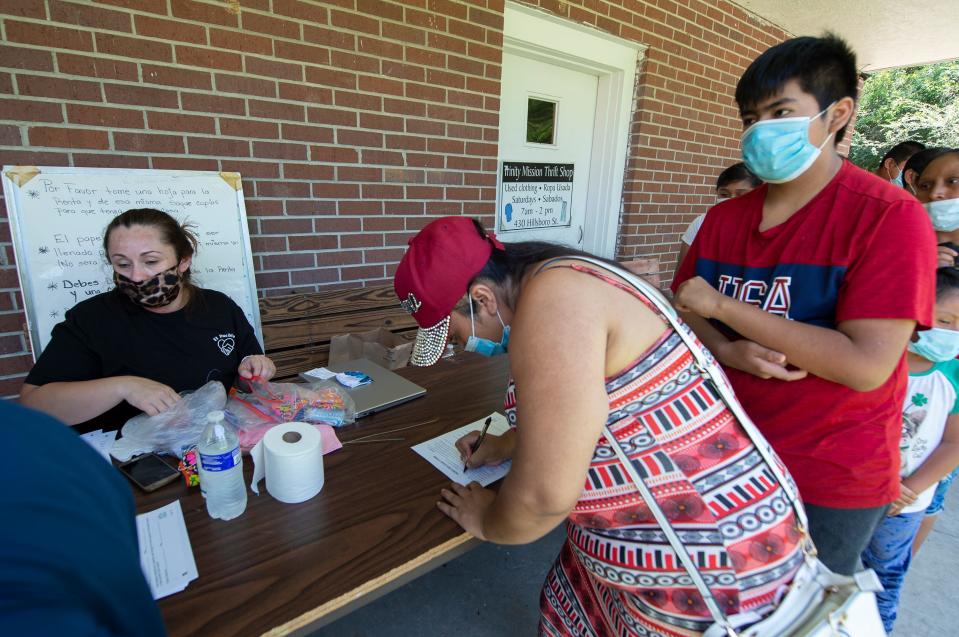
(221, 469)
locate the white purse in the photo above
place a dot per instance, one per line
(818, 603)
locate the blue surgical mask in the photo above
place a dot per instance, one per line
(937, 345)
(779, 150)
(898, 180)
(485, 346)
(944, 214)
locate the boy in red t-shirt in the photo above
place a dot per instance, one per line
(808, 289)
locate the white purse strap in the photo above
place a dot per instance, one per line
(712, 374)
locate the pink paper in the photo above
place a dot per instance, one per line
(328, 436)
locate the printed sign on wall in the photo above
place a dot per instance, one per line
(535, 195)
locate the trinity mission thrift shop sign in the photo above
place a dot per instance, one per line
(535, 195)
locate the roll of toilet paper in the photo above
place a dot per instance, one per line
(290, 456)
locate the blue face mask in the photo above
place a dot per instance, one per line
(779, 150)
(898, 180)
(944, 214)
(485, 346)
(937, 345)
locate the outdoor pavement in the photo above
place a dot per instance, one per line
(493, 591)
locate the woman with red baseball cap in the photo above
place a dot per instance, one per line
(593, 357)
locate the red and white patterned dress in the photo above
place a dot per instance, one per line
(616, 574)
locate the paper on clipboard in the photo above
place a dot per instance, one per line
(441, 452)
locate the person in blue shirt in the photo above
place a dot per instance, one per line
(69, 556)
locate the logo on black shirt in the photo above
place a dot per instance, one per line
(226, 343)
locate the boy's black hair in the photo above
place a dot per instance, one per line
(737, 172)
(825, 68)
(918, 162)
(902, 151)
(947, 281)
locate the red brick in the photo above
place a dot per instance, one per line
(112, 160)
(352, 61)
(319, 275)
(385, 157)
(267, 24)
(279, 150)
(31, 158)
(209, 58)
(258, 169)
(249, 128)
(44, 35)
(268, 244)
(272, 279)
(448, 8)
(425, 92)
(176, 76)
(349, 137)
(170, 29)
(157, 120)
(335, 116)
(484, 52)
(424, 192)
(58, 87)
(288, 261)
(11, 344)
(382, 224)
(245, 42)
(19, 109)
(375, 84)
(351, 21)
(348, 99)
(10, 135)
(245, 85)
(330, 77)
(406, 142)
(337, 257)
(319, 134)
(404, 107)
(404, 33)
(301, 52)
(381, 48)
(401, 71)
(141, 96)
(16, 57)
(467, 30)
(446, 43)
(150, 6)
(273, 68)
(301, 11)
(71, 64)
(404, 176)
(462, 98)
(104, 116)
(309, 207)
(284, 189)
(263, 207)
(134, 47)
(337, 154)
(447, 113)
(382, 122)
(313, 172)
(436, 77)
(315, 242)
(218, 146)
(142, 143)
(68, 137)
(358, 173)
(425, 19)
(288, 226)
(87, 16)
(465, 65)
(24, 8)
(364, 240)
(362, 208)
(447, 177)
(204, 13)
(333, 190)
(277, 110)
(380, 9)
(306, 93)
(213, 104)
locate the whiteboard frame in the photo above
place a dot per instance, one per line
(12, 194)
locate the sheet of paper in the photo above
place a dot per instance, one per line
(165, 553)
(320, 373)
(441, 452)
(102, 441)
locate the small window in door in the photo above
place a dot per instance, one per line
(540, 121)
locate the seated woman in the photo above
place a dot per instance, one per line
(586, 351)
(134, 348)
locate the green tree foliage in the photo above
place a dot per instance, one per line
(920, 103)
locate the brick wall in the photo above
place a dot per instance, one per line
(352, 121)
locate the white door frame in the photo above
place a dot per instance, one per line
(536, 34)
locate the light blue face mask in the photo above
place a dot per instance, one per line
(779, 150)
(944, 214)
(485, 346)
(937, 345)
(898, 180)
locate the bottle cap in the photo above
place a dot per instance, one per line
(215, 416)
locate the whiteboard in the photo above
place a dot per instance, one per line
(58, 215)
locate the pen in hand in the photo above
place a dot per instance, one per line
(478, 442)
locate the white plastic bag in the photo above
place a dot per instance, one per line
(173, 430)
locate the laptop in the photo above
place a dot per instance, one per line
(387, 389)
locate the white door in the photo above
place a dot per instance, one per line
(547, 115)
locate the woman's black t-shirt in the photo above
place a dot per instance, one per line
(108, 335)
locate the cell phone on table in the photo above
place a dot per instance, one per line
(149, 471)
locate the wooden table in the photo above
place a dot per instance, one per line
(283, 569)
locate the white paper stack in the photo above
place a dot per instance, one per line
(102, 441)
(165, 553)
(442, 453)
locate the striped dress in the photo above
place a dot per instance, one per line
(616, 574)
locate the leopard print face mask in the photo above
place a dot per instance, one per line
(154, 292)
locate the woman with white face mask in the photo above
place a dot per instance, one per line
(135, 348)
(937, 188)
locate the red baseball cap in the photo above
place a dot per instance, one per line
(433, 276)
